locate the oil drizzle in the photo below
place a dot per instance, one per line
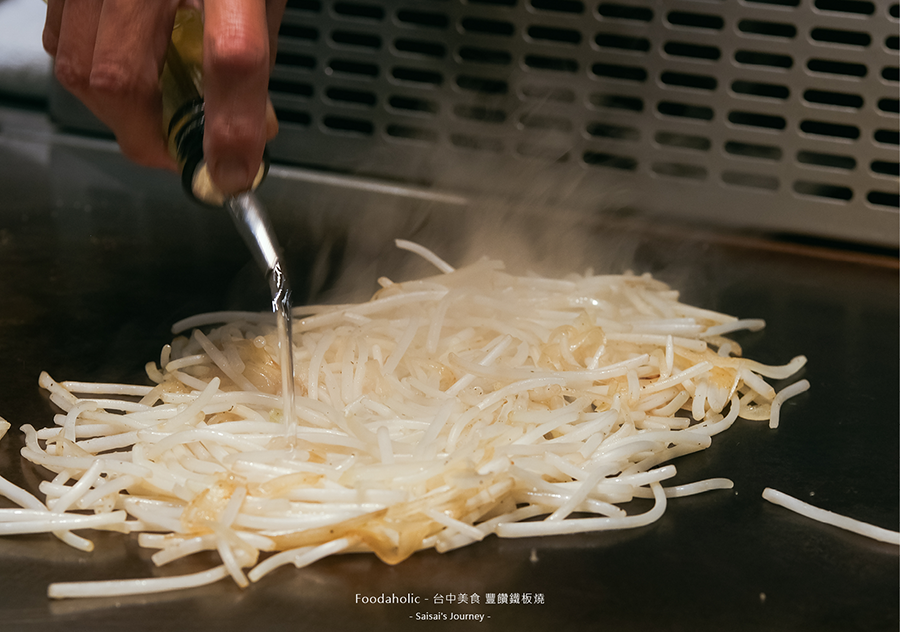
(281, 305)
(253, 224)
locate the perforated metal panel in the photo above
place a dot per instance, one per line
(774, 114)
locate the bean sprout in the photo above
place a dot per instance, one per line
(827, 517)
(443, 410)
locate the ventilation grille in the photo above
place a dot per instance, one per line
(778, 114)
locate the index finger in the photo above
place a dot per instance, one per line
(52, 23)
(132, 38)
(236, 77)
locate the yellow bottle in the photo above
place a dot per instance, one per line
(181, 83)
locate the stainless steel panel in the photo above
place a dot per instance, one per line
(769, 115)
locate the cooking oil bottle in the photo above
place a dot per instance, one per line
(181, 83)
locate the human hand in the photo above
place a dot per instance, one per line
(109, 54)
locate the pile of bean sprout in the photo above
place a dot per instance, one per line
(441, 411)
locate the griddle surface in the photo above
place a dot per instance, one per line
(98, 259)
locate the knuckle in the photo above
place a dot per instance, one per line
(237, 134)
(144, 151)
(50, 41)
(238, 54)
(71, 75)
(114, 79)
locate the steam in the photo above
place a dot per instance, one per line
(340, 239)
(509, 192)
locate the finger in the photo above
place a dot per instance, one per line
(236, 77)
(77, 32)
(274, 15)
(50, 36)
(131, 43)
(271, 120)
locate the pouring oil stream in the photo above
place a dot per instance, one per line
(181, 84)
(253, 224)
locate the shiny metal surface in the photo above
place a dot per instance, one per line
(98, 258)
(779, 115)
(254, 226)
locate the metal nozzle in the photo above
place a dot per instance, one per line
(253, 224)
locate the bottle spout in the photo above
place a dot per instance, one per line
(253, 224)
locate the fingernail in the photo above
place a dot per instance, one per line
(231, 175)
